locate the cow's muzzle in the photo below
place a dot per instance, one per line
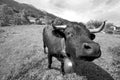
(91, 51)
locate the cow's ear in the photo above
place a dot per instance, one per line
(59, 33)
(92, 36)
(59, 30)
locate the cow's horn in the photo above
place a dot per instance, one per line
(100, 28)
(60, 26)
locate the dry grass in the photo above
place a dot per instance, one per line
(22, 57)
(110, 45)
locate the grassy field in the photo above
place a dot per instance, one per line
(22, 57)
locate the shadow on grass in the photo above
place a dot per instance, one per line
(88, 69)
(91, 71)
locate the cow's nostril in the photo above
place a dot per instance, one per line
(87, 46)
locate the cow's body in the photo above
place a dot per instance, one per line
(73, 42)
(55, 45)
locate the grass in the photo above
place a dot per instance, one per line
(2, 30)
(115, 52)
(22, 57)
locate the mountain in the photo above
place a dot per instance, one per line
(20, 6)
(31, 11)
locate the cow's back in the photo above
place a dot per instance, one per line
(54, 44)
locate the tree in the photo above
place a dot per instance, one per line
(6, 14)
(93, 24)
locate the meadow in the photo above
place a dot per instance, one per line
(22, 57)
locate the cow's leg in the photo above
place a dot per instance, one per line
(62, 67)
(45, 48)
(49, 60)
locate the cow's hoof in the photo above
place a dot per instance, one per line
(63, 73)
(49, 67)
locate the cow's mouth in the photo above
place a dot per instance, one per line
(90, 58)
(87, 58)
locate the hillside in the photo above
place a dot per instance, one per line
(20, 6)
(12, 12)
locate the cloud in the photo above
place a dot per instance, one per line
(112, 15)
(80, 10)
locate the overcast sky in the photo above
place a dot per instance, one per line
(80, 10)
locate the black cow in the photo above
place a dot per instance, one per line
(73, 41)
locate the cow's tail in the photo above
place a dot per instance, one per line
(44, 43)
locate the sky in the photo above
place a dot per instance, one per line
(80, 10)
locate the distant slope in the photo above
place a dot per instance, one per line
(32, 11)
(20, 6)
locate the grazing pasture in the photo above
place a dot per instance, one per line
(22, 57)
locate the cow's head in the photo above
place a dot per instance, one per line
(79, 41)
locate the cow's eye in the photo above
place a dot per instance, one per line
(68, 33)
(92, 36)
